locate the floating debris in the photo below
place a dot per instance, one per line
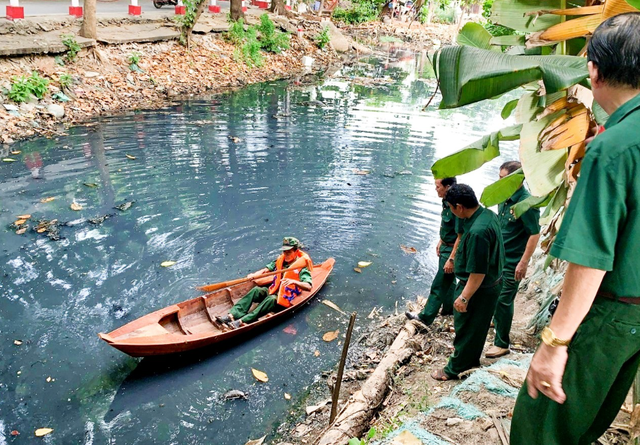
(49, 227)
(124, 206)
(235, 394)
(100, 219)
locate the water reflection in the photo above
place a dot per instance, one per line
(215, 184)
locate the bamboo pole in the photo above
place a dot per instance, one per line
(343, 359)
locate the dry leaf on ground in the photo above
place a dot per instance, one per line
(259, 375)
(408, 249)
(331, 335)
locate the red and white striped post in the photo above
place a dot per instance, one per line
(181, 9)
(262, 4)
(14, 10)
(288, 5)
(75, 9)
(213, 7)
(244, 5)
(134, 8)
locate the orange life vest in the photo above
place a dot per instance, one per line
(286, 294)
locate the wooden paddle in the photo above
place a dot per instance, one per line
(300, 262)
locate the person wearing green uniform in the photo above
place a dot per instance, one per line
(241, 313)
(478, 268)
(520, 236)
(581, 373)
(443, 284)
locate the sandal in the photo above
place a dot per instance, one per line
(441, 376)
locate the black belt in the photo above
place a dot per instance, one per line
(487, 286)
(610, 296)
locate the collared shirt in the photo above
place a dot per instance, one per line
(304, 275)
(516, 232)
(601, 228)
(481, 249)
(450, 225)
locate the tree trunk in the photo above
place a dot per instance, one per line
(236, 10)
(277, 7)
(355, 416)
(88, 28)
(187, 27)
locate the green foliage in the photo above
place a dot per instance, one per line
(24, 87)
(323, 38)
(502, 189)
(73, 48)
(134, 58)
(271, 40)
(251, 49)
(236, 33)
(362, 11)
(65, 80)
(356, 441)
(446, 14)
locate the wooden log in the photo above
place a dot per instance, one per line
(354, 418)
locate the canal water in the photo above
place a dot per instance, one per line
(215, 183)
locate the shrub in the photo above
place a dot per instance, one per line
(362, 11)
(251, 49)
(73, 48)
(236, 33)
(323, 38)
(65, 80)
(271, 40)
(23, 88)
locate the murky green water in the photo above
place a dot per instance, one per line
(219, 207)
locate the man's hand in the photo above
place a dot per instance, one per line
(289, 282)
(546, 371)
(448, 266)
(521, 271)
(459, 305)
(438, 247)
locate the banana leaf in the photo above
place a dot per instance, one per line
(634, 3)
(502, 189)
(543, 169)
(519, 208)
(474, 155)
(508, 108)
(469, 75)
(559, 199)
(474, 34)
(511, 40)
(511, 13)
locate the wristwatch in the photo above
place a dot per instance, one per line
(464, 300)
(550, 339)
(450, 259)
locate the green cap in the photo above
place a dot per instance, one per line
(289, 243)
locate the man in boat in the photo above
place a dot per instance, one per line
(441, 294)
(283, 289)
(478, 268)
(520, 236)
(582, 371)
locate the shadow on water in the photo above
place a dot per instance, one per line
(153, 375)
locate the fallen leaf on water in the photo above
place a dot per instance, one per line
(16, 152)
(21, 231)
(331, 335)
(23, 216)
(363, 264)
(259, 375)
(20, 222)
(90, 184)
(41, 229)
(124, 206)
(357, 269)
(15, 433)
(130, 157)
(287, 396)
(407, 249)
(48, 199)
(43, 432)
(317, 353)
(17, 342)
(291, 330)
(49, 379)
(167, 263)
(256, 441)
(9, 160)
(75, 206)
(361, 172)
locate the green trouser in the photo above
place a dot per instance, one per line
(603, 361)
(503, 317)
(472, 328)
(240, 310)
(441, 294)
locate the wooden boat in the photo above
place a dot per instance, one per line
(192, 324)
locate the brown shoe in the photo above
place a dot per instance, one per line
(496, 351)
